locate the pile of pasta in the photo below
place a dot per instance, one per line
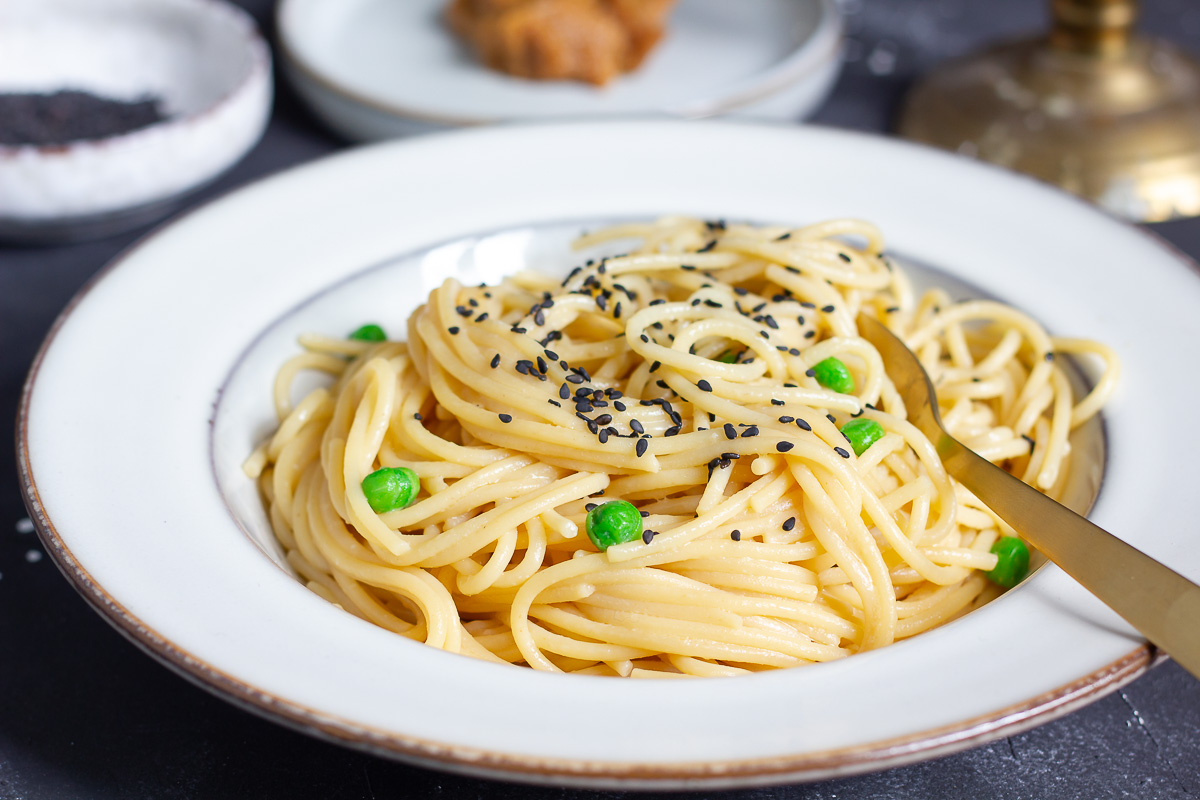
(679, 377)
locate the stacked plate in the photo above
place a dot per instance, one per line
(374, 69)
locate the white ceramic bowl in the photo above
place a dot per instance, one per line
(137, 491)
(203, 58)
(375, 69)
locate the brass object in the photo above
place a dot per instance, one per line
(1159, 602)
(1093, 108)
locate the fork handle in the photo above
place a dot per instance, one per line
(1159, 602)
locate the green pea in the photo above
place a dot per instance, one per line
(862, 433)
(1012, 563)
(614, 522)
(369, 333)
(390, 488)
(832, 374)
(728, 357)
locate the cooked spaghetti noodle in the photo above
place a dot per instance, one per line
(680, 378)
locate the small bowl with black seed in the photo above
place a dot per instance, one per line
(113, 111)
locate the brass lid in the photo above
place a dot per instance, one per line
(1112, 117)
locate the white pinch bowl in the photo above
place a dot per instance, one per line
(203, 58)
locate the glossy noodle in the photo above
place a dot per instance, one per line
(683, 377)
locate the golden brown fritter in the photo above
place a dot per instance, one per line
(587, 40)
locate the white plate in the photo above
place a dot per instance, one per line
(130, 453)
(375, 69)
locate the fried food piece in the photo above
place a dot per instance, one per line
(587, 40)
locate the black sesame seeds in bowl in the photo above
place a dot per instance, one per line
(112, 110)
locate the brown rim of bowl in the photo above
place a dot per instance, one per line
(260, 64)
(806, 767)
(829, 27)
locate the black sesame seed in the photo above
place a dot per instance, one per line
(539, 318)
(771, 323)
(602, 302)
(417, 416)
(523, 367)
(603, 435)
(618, 405)
(672, 431)
(827, 309)
(583, 406)
(892, 309)
(751, 431)
(495, 361)
(654, 367)
(764, 334)
(573, 378)
(604, 419)
(776, 401)
(831, 418)
(803, 425)
(482, 317)
(661, 384)
(841, 451)
(506, 418)
(809, 334)
(759, 307)
(640, 447)
(1049, 356)
(787, 235)
(453, 330)
(589, 506)
(844, 257)
(807, 304)
(463, 311)
(785, 419)
(636, 426)
(704, 385)
(812, 373)
(688, 267)
(730, 431)
(789, 523)
(554, 403)
(713, 304)
(564, 392)
(800, 319)
(517, 329)
(647, 536)
(783, 447)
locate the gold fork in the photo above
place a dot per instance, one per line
(1159, 602)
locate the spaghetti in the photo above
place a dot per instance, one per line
(683, 378)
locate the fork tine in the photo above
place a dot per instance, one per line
(906, 372)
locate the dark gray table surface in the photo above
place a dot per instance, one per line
(85, 714)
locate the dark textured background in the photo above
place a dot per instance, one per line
(85, 714)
